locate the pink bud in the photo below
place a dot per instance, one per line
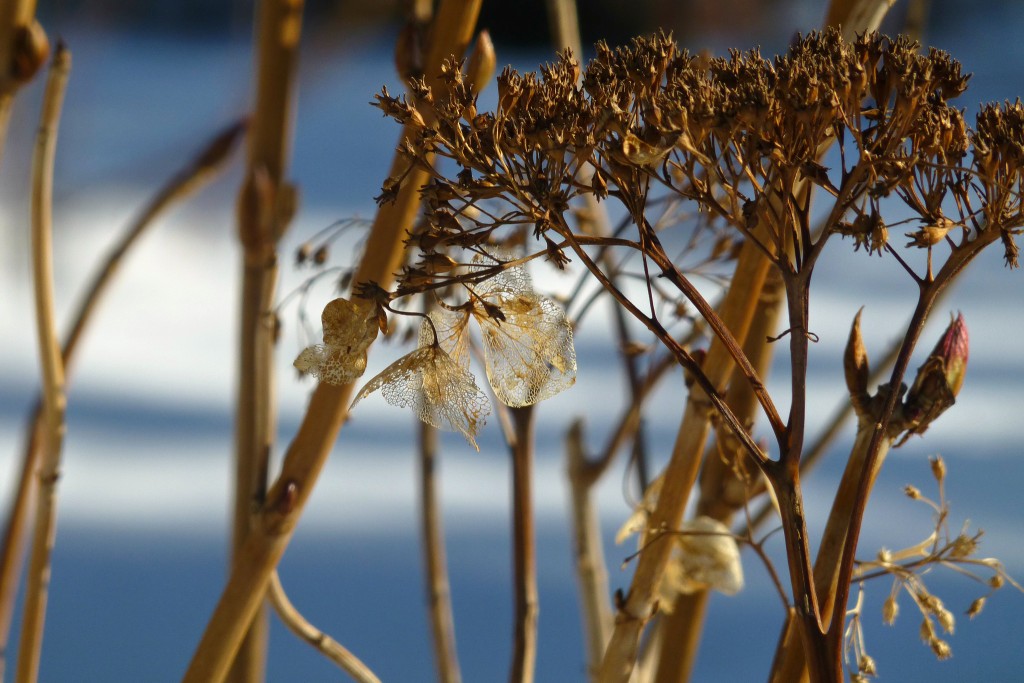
(953, 349)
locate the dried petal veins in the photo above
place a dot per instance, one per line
(349, 329)
(439, 391)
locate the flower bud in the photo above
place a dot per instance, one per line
(939, 379)
(954, 348)
(855, 366)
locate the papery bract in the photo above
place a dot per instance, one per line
(349, 329)
(441, 392)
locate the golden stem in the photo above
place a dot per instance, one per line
(265, 205)
(327, 646)
(524, 555)
(198, 173)
(736, 314)
(37, 586)
(327, 409)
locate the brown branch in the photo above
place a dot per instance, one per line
(265, 205)
(197, 174)
(681, 473)
(524, 561)
(722, 491)
(588, 551)
(442, 626)
(327, 408)
(37, 586)
(327, 646)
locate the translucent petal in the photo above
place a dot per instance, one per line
(349, 329)
(349, 324)
(708, 557)
(332, 364)
(439, 391)
(638, 520)
(529, 355)
(528, 350)
(452, 329)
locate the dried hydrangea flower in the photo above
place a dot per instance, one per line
(440, 391)
(349, 329)
(527, 340)
(707, 558)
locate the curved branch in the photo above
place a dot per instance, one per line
(327, 646)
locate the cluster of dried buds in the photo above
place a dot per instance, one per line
(743, 136)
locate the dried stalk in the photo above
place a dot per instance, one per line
(326, 645)
(197, 174)
(524, 555)
(588, 550)
(681, 474)
(36, 592)
(265, 205)
(683, 626)
(722, 492)
(790, 664)
(565, 25)
(442, 625)
(23, 51)
(857, 16)
(327, 409)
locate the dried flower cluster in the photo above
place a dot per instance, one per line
(527, 345)
(742, 136)
(942, 548)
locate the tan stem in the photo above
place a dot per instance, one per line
(722, 492)
(37, 585)
(736, 314)
(442, 625)
(857, 16)
(195, 175)
(588, 551)
(524, 551)
(565, 25)
(265, 205)
(327, 646)
(327, 409)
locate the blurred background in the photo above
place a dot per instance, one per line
(143, 519)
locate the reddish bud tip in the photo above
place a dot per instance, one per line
(953, 349)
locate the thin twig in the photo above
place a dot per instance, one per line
(327, 409)
(265, 205)
(197, 174)
(722, 492)
(736, 315)
(327, 646)
(37, 587)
